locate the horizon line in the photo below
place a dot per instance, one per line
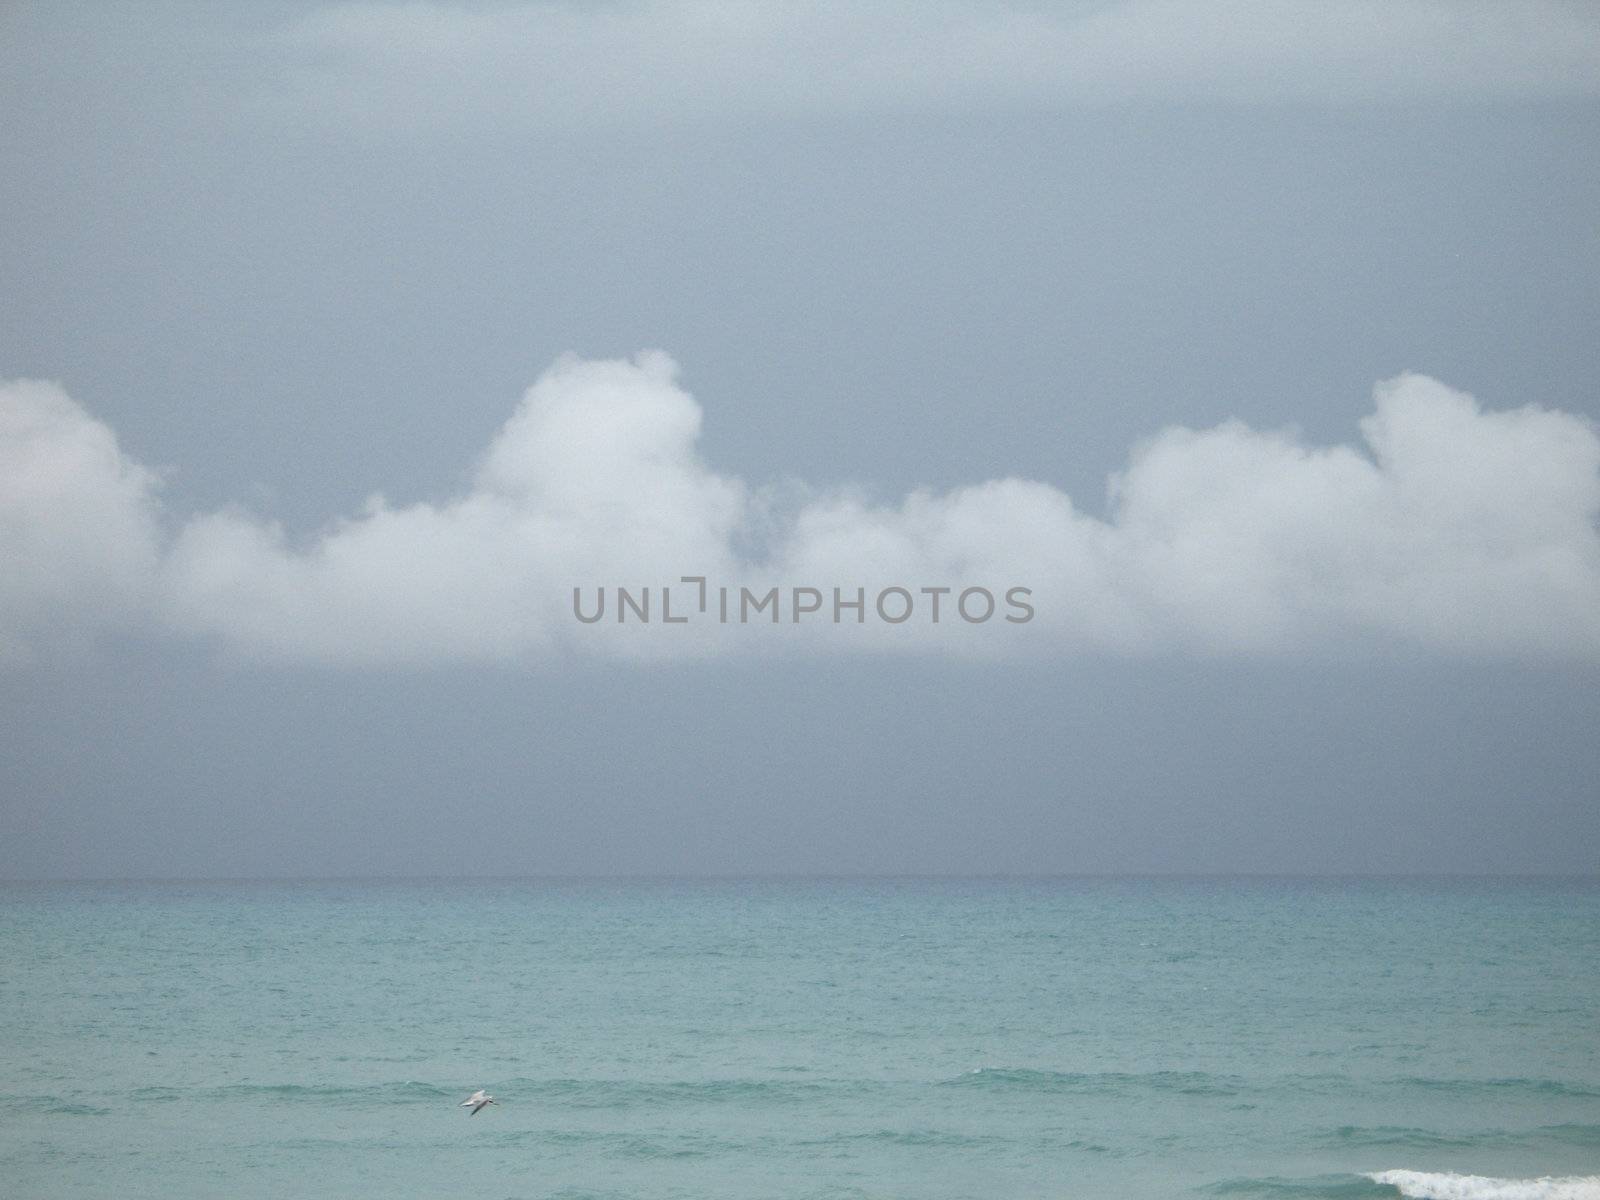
(816, 876)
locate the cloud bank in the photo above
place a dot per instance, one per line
(563, 65)
(78, 523)
(1465, 531)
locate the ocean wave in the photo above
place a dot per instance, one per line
(568, 1093)
(920, 1138)
(1573, 1134)
(1537, 1087)
(1434, 1185)
(1411, 1138)
(404, 1091)
(1320, 1187)
(68, 1109)
(617, 1093)
(641, 1146)
(1186, 1083)
(1403, 1136)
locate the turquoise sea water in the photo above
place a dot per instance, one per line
(1117, 1039)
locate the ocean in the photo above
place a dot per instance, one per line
(1104, 1039)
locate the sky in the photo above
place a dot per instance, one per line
(1235, 362)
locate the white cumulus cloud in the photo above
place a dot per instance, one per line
(594, 480)
(78, 531)
(1466, 531)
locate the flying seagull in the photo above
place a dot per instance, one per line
(476, 1101)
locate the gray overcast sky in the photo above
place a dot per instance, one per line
(295, 255)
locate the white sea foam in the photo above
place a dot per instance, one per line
(1446, 1185)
